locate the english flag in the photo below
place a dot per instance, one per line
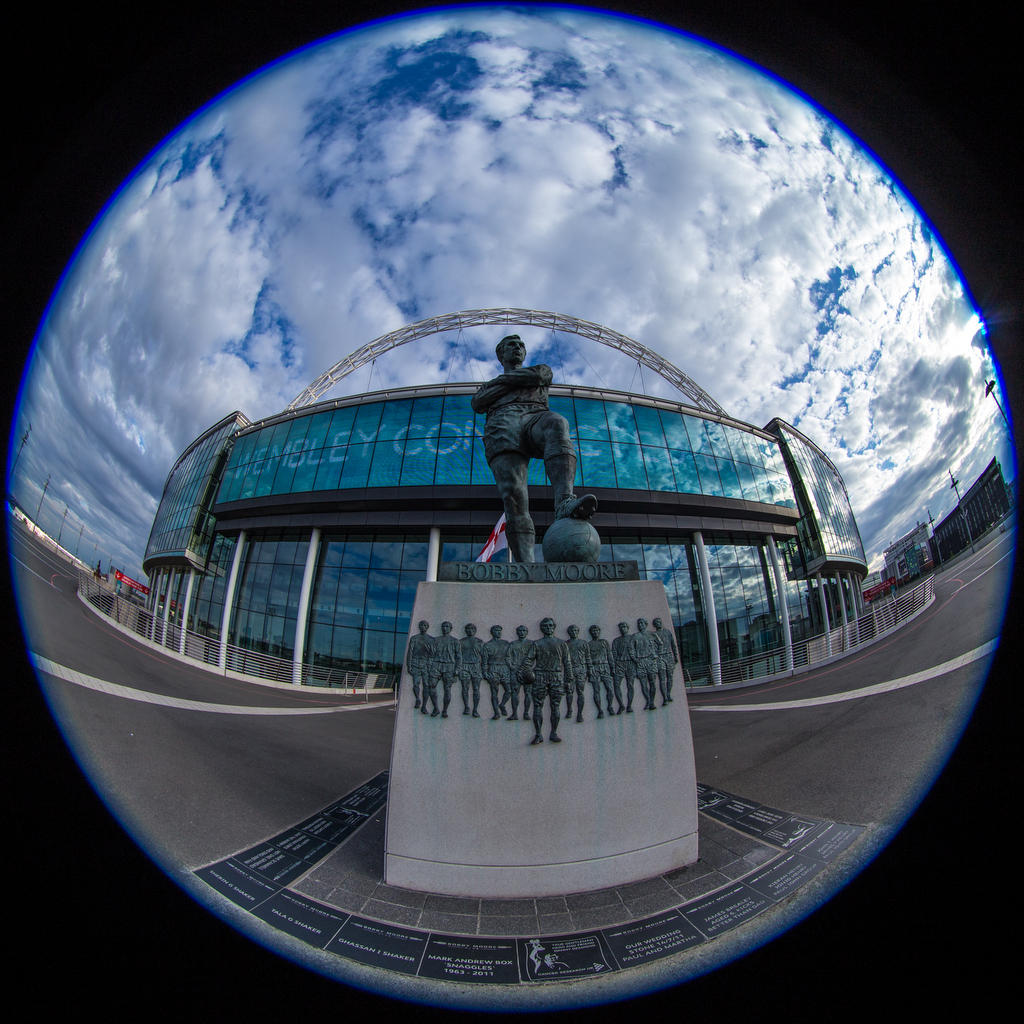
(495, 543)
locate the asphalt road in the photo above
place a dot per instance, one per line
(193, 786)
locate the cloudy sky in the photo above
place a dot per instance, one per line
(548, 159)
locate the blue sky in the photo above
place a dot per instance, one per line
(549, 159)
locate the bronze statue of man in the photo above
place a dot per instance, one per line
(520, 426)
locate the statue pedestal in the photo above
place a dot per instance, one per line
(475, 810)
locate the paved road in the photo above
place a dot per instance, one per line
(199, 785)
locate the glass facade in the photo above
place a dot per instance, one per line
(184, 525)
(364, 577)
(438, 440)
(827, 528)
(362, 600)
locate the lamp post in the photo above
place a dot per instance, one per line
(990, 389)
(62, 522)
(41, 496)
(24, 438)
(959, 505)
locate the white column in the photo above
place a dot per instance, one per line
(229, 601)
(842, 610)
(824, 613)
(167, 605)
(710, 616)
(302, 615)
(780, 597)
(184, 611)
(157, 584)
(433, 553)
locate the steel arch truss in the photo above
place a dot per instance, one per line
(520, 317)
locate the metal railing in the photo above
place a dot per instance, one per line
(884, 616)
(206, 650)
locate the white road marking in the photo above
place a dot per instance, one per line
(865, 691)
(70, 675)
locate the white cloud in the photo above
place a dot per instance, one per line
(611, 172)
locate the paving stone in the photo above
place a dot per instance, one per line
(508, 924)
(393, 913)
(554, 924)
(497, 908)
(590, 900)
(453, 924)
(452, 904)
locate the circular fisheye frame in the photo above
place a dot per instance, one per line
(526, 677)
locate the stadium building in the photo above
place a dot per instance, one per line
(291, 547)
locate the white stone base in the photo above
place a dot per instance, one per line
(475, 810)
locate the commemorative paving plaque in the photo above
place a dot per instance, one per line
(561, 957)
(303, 845)
(831, 841)
(273, 864)
(652, 939)
(726, 909)
(238, 884)
(302, 917)
(369, 798)
(379, 945)
(452, 958)
(333, 828)
(791, 830)
(783, 875)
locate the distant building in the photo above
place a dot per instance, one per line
(910, 556)
(984, 504)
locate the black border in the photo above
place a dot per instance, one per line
(935, 93)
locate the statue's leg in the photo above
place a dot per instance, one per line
(513, 689)
(446, 682)
(476, 696)
(538, 719)
(464, 686)
(579, 702)
(509, 469)
(556, 701)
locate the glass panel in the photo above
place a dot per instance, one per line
(387, 464)
(746, 478)
(598, 470)
(675, 430)
(719, 444)
(426, 417)
(454, 460)
(730, 482)
(590, 419)
(339, 431)
(700, 443)
(357, 466)
(348, 609)
(629, 466)
(648, 424)
(707, 469)
(367, 420)
(621, 425)
(387, 552)
(482, 475)
(395, 420)
(685, 469)
(357, 552)
(328, 473)
(418, 464)
(458, 417)
(659, 469)
(563, 406)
